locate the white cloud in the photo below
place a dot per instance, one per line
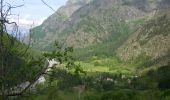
(25, 23)
(27, 20)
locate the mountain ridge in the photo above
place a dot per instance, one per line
(88, 12)
(103, 22)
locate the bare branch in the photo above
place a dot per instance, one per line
(48, 5)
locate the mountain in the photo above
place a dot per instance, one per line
(81, 24)
(130, 29)
(44, 33)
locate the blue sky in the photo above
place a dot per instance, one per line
(34, 10)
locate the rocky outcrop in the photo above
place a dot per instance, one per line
(151, 42)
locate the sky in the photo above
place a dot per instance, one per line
(34, 12)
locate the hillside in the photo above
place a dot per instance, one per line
(151, 43)
(97, 27)
(82, 24)
(44, 33)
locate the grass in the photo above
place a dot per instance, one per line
(109, 65)
(120, 94)
(52, 94)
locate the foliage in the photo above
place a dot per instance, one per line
(15, 60)
(157, 78)
(121, 94)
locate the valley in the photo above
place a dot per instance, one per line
(104, 49)
(120, 45)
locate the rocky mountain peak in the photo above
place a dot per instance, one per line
(72, 2)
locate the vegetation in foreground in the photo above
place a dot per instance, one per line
(103, 81)
(54, 94)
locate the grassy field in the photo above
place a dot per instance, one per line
(108, 65)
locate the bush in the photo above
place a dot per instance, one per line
(119, 95)
(164, 77)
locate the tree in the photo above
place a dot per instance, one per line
(7, 43)
(17, 63)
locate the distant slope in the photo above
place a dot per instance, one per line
(82, 24)
(102, 26)
(151, 43)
